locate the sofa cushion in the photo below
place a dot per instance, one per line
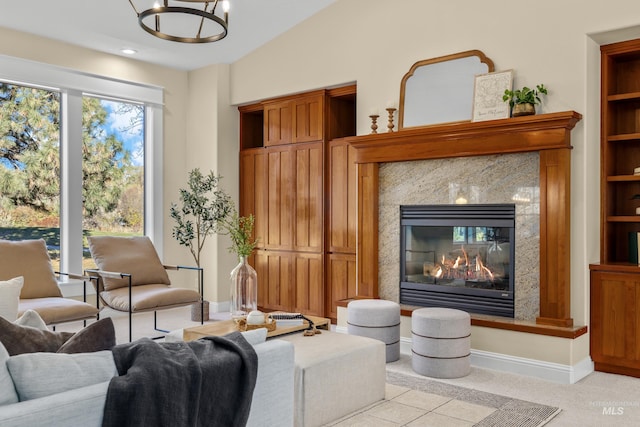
(42, 374)
(10, 297)
(7, 390)
(25, 339)
(134, 255)
(30, 259)
(33, 319)
(98, 336)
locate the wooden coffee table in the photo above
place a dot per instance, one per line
(224, 327)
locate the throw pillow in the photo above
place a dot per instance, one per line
(7, 390)
(33, 319)
(10, 297)
(42, 374)
(134, 255)
(98, 336)
(24, 339)
(30, 259)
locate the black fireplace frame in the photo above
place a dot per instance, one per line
(482, 301)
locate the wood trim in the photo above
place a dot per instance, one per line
(465, 139)
(549, 134)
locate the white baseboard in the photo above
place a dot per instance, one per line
(219, 307)
(554, 372)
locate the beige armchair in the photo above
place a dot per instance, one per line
(40, 292)
(131, 278)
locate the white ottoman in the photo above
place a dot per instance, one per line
(441, 342)
(378, 319)
(336, 374)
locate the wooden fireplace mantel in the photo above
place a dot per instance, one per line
(548, 134)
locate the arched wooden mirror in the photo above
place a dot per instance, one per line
(440, 90)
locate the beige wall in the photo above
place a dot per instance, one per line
(374, 44)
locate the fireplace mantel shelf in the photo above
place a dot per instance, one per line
(547, 134)
(463, 139)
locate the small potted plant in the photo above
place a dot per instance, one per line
(523, 101)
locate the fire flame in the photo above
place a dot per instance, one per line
(462, 268)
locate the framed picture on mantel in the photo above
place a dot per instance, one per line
(487, 96)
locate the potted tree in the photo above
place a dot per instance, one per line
(204, 208)
(523, 101)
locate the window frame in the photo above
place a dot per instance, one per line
(73, 85)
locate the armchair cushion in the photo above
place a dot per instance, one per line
(9, 297)
(38, 375)
(149, 297)
(58, 310)
(30, 259)
(133, 255)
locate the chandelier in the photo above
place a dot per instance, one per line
(169, 20)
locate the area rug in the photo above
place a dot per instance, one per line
(509, 412)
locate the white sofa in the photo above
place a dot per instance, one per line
(272, 398)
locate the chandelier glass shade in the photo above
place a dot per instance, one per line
(185, 21)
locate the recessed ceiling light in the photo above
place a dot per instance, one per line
(128, 51)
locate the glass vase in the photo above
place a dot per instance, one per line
(244, 289)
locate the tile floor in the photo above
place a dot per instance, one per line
(405, 407)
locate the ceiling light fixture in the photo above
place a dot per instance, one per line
(185, 24)
(128, 51)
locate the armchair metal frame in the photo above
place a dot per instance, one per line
(84, 292)
(97, 275)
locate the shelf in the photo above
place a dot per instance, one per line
(625, 218)
(623, 178)
(631, 96)
(624, 137)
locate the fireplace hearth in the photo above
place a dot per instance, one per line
(458, 256)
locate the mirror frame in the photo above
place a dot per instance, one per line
(425, 62)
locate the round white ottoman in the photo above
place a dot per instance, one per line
(378, 319)
(441, 342)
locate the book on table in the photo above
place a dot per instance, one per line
(285, 320)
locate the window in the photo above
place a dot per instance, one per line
(79, 155)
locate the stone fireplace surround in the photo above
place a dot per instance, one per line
(510, 178)
(547, 135)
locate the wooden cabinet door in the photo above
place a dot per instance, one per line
(275, 280)
(253, 192)
(341, 281)
(308, 113)
(279, 198)
(277, 123)
(308, 197)
(309, 284)
(615, 322)
(342, 197)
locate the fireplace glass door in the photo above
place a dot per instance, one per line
(458, 256)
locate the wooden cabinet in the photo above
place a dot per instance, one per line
(615, 281)
(341, 276)
(284, 182)
(615, 320)
(342, 199)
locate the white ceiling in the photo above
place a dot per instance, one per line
(111, 25)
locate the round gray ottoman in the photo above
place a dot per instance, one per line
(378, 319)
(441, 342)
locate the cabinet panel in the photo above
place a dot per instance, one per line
(309, 281)
(342, 197)
(307, 119)
(341, 281)
(275, 280)
(279, 198)
(308, 197)
(253, 190)
(615, 320)
(277, 123)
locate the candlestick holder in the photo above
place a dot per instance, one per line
(391, 111)
(374, 123)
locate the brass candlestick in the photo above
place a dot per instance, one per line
(374, 123)
(390, 124)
